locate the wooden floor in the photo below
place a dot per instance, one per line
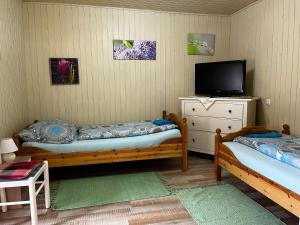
(166, 210)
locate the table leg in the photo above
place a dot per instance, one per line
(32, 199)
(3, 199)
(46, 186)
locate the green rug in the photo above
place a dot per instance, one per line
(224, 205)
(212, 205)
(77, 193)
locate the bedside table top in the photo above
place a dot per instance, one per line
(22, 159)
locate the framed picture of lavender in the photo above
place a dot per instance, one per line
(64, 71)
(134, 50)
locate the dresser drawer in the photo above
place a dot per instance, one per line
(200, 141)
(210, 124)
(216, 110)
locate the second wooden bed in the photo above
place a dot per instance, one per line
(171, 148)
(224, 158)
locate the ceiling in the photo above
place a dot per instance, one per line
(222, 7)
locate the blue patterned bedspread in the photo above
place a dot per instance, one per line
(122, 130)
(285, 149)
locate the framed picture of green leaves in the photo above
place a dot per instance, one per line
(200, 44)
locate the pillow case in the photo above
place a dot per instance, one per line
(161, 122)
(51, 131)
(272, 134)
(29, 134)
(32, 132)
(57, 132)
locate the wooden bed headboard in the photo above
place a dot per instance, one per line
(249, 130)
(182, 123)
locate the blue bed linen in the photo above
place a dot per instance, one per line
(120, 130)
(285, 149)
(161, 122)
(108, 144)
(265, 135)
(277, 171)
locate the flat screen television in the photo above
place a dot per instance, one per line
(225, 78)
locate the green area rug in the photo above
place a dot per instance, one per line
(77, 193)
(224, 205)
(212, 205)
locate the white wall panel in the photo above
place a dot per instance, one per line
(267, 35)
(112, 90)
(13, 101)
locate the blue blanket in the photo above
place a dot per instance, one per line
(130, 129)
(285, 149)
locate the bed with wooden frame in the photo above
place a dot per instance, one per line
(224, 158)
(171, 148)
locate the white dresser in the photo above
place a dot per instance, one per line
(228, 114)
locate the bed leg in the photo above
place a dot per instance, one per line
(184, 163)
(184, 159)
(218, 169)
(218, 172)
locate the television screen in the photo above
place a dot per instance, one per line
(220, 78)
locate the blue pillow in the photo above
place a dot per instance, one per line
(265, 135)
(57, 132)
(52, 131)
(29, 134)
(32, 132)
(161, 122)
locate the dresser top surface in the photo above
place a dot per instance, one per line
(231, 99)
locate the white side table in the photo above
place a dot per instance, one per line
(31, 182)
(13, 194)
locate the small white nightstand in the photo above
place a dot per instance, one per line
(14, 194)
(31, 181)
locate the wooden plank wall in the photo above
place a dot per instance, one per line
(13, 101)
(110, 90)
(267, 34)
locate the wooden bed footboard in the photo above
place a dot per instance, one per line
(224, 158)
(171, 148)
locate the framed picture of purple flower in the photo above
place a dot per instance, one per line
(64, 71)
(134, 50)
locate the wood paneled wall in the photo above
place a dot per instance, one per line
(13, 101)
(110, 90)
(267, 34)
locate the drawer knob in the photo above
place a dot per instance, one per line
(229, 111)
(193, 109)
(229, 127)
(193, 140)
(193, 123)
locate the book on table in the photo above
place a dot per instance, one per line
(17, 170)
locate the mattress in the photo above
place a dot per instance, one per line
(108, 144)
(277, 171)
